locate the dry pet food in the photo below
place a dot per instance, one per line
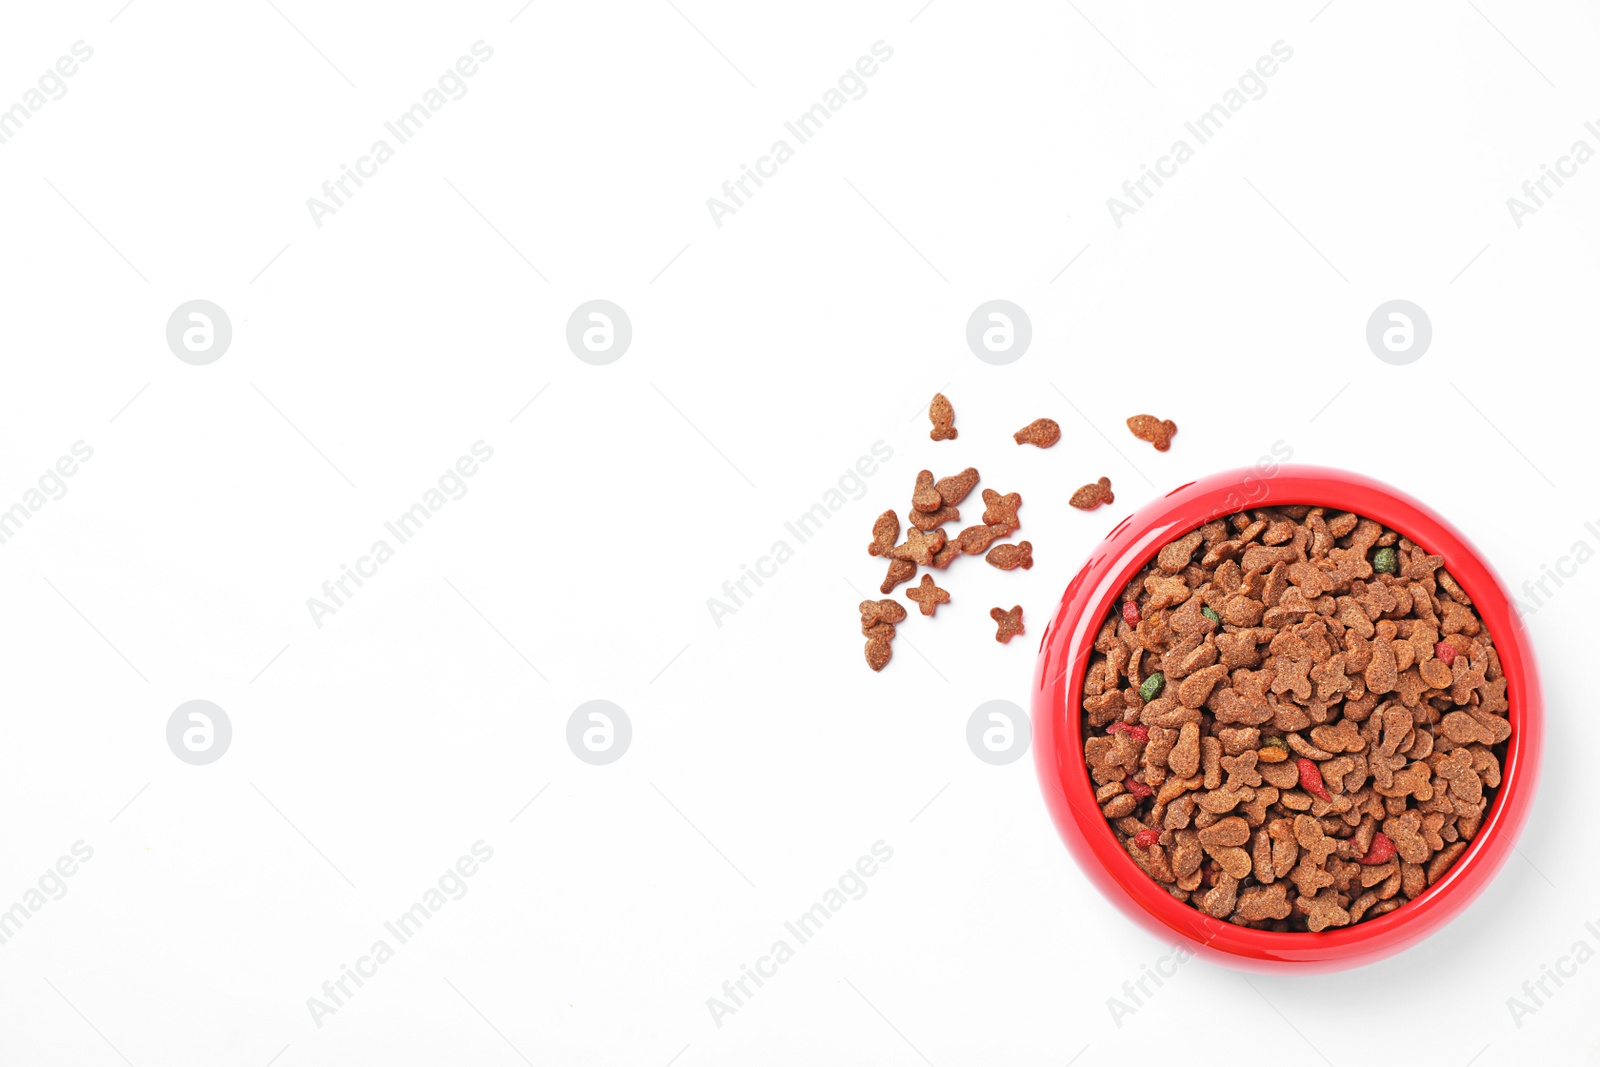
(1010, 557)
(976, 539)
(876, 611)
(919, 547)
(927, 520)
(1008, 623)
(927, 595)
(1001, 510)
(877, 623)
(1087, 498)
(1040, 432)
(885, 532)
(878, 651)
(943, 417)
(900, 570)
(1157, 431)
(924, 497)
(1294, 719)
(954, 489)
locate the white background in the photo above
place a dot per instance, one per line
(768, 355)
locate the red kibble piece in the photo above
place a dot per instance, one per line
(1147, 838)
(1130, 612)
(1446, 652)
(1136, 788)
(1138, 733)
(1382, 850)
(1311, 779)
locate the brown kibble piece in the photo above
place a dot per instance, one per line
(878, 652)
(927, 520)
(942, 558)
(900, 570)
(1264, 902)
(1441, 862)
(1040, 432)
(878, 629)
(954, 489)
(1157, 431)
(1010, 557)
(1001, 510)
(943, 417)
(1184, 759)
(927, 595)
(924, 497)
(1323, 911)
(976, 539)
(1088, 497)
(1230, 831)
(885, 532)
(1008, 623)
(919, 546)
(881, 611)
(1175, 556)
(1233, 860)
(1219, 900)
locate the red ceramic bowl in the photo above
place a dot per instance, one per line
(1058, 713)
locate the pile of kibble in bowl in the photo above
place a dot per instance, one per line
(1294, 719)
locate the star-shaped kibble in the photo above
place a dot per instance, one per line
(1241, 770)
(1001, 510)
(927, 595)
(919, 547)
(1290, 676)
(1009, 623)
(1330, 678)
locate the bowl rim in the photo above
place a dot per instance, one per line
(1064, 652)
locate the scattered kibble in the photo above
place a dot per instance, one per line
(878, 618)
(885, 532)
(1157, 431)
(1001, 510)
(954, 489)
(1040, 432)
(1088, 497)
(1010, 557)
(925, 497)
(928, 595)
(1008, 624)
(943, 417)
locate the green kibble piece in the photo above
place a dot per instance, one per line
(1213, 616)
(1274, 742)
(1152, 687)
(1386, 560)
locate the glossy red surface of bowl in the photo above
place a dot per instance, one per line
(1058, 719)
